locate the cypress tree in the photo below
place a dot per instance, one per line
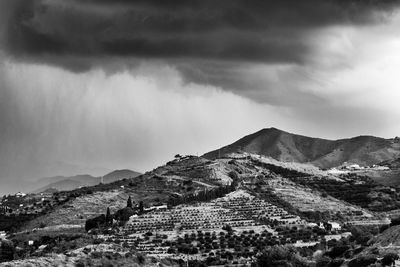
(108, 216)
(129, 202)
(141, 208)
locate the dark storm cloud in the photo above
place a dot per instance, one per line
(236, 30)
(208, 41)
(277, 85)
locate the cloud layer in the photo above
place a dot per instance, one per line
(232, 30)
(245, 47)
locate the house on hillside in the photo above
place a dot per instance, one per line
(335, 226)
(329, 226)
(158, 208)
(20, 194)
(2, 235)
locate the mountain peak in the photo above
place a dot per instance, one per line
(272, 129)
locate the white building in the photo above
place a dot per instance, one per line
(335, 226)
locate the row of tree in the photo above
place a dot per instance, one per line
(204, 195)
(121, 216)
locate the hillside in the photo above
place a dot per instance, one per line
(392, 164)
(92, 255)
(184, 176)
(192, 205)
(390, 237)
(190, 175)
(288, 147)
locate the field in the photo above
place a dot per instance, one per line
(237, 225)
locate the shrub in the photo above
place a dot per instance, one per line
(95, 222)
(323, 262)
(362, 261)
(7, 251)
(141, 259)
(389, 259)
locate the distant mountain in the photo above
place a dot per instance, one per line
(83, 178)
(284, 146)
(119, 175)
(64, 183)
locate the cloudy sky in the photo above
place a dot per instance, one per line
(88, 86)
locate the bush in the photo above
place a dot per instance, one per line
(362, 261)
(389, 259)
(7, 251)
(281, 256)
(323, 262)
(337, 251)
(336, 262)
(141, 259)
(95, 222)
(124, 214)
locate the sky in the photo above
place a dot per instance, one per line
(89, 86)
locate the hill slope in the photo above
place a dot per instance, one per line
(284, 146)
(392, 164)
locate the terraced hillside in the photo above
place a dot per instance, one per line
(236, 215)
(232, 207)
(178, 178)
(92, 255)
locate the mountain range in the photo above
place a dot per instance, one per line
(64, 183)
(277, 144)
(322, 153)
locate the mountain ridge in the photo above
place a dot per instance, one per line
(63, 183)
(323, 153)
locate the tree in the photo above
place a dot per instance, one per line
(337, 251)
(95, 222)
(389, 259)
(124, 214)
(7, 251)
(129, 202)
(282, 256)
(362, 261)
(108, 216)
(141, 207)
(141, 259)
(227, 228)
(323, 261)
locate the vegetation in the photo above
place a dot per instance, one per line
(358, 190)
(203, 196)
(281, 256)
(247, 222)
